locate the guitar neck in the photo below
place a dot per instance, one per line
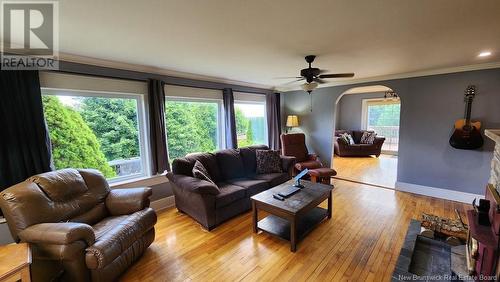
(468, 109)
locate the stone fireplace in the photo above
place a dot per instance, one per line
(494, 134)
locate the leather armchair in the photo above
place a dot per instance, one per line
(79, 229)
(294, 144)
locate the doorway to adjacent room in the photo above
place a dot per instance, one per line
(373, 109)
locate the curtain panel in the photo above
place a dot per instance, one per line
(273, 120)
(157, 128)
(230, 119)
(25, 144)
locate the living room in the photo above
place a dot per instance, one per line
(257, 141)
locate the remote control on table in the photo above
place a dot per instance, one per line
(278, 197)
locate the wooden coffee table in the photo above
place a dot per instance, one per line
(293, 218)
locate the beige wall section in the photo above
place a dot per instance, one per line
(91, 83)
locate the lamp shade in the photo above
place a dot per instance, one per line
(292, 121)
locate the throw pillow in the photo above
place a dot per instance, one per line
(200, 172)
(268, 161)
(368, 137)
(347, 138)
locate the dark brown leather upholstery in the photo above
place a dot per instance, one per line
(295, 145)
(77, 227)
(234, 172)
(343, 149)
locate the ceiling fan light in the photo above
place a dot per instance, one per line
(308, 87)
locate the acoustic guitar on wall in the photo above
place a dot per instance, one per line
(467, 134)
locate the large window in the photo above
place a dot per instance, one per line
(193, 125)
(382, 116)
(250, 123)
(96, 130)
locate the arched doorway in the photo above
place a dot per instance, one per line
(366, 160)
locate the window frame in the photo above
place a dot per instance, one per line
(142, 123)
(256, 102)
(221, 132)
(364, 115)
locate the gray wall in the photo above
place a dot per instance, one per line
(349, 110)
(429, 107)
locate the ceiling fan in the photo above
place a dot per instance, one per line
(315, 76)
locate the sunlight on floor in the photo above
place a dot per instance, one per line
(380, 171)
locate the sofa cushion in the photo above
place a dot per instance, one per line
(114, 235)
(368, 137)
(209, 162)
(182, 166)
(228, 194)
(268, 161)
(252, 186)
(230, 163)
(61, 185)
(200, 172)
(274, 179)
(248, 158)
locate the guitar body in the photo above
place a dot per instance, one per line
(467, 134)
(467, 137)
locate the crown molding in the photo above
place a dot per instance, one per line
(475, 67)
(149, 69)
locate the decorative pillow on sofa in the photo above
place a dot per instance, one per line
(268, 161)
(347, 138)
(200, 172)
(368, 137)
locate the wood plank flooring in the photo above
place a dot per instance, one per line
(360, 243)
(381, 171)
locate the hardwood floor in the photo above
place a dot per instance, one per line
(360, 243)
(381, 171)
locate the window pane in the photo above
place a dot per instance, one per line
(191, 127)
(250, 124)
(94, 132)
(384, 120)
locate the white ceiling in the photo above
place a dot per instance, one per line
(258, 40)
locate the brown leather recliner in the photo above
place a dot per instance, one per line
(79, 229)
(294, 144)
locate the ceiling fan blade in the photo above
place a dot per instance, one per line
(336, 75)
(319, 80)
(293, 81)
(287, 77)
(322, 71)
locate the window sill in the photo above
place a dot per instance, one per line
(141, 181)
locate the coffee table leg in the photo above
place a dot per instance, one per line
(293, 235)
(330, 205)
(255, 216)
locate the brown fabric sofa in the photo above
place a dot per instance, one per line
(79, 229)
(343, 149)
(233, 171)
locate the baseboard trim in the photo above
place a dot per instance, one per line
(163, 203)
(446, 194)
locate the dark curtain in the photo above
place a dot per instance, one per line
(273, 120)
(230, 119)
(25, 142)
(157, 133)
